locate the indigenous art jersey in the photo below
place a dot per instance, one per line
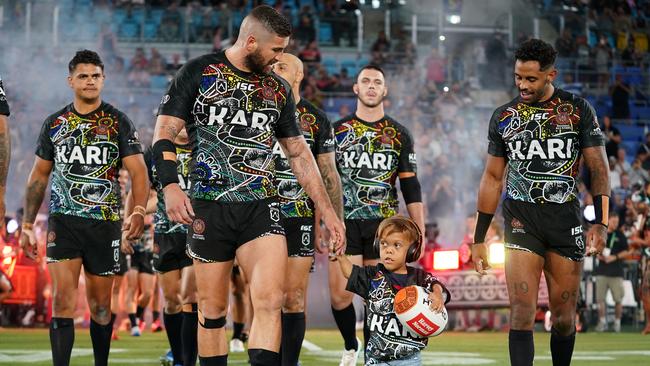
(232, 118)
(369, 156)
(389, 340)
(317, 130)
(162, 224)
(4, 106)
(87, 150)
(542, 145)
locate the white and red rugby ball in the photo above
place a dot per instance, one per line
(412, 309)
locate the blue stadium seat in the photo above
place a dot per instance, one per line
(150, 30)
(330, 65)
(129, 30)
(633, 76)
(119, 15)
(159, 82)
(325, 33)
(630, 132)
(156, 15)
(350, 65)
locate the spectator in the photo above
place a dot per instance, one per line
(637, 174)
(435, 67)
(621, 163)
(311, 53)
(565, 45)
(107, 42)
(139, 59)
(175, 64)
(602, 55)
(621, 193)
(345, 80)
(609, 273)
(305, 31)
(614, 175)
(643, 153)
(613, 136)
(620, 93)
(381, 44)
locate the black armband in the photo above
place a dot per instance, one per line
(601, 208)
(483, 221)
(164, 158)
(411, 189)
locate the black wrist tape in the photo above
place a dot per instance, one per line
(601, 208)
(483, 221)
(165, 167)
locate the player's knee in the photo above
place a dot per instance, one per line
(268, 302)
(340, 299)
(188, 297)
(522, 315)
(294, 301)
(101, 313)
(212, 309)
(172, 304)
(211, 323)
(564, 322)
(63, 302)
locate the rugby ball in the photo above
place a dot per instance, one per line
(412, 309)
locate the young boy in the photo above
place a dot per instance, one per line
(389, 342)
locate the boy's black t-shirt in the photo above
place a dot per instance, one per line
(388, 338)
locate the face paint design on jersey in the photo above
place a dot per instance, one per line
(85, 165)
(369, 157)
(542, 144)
(316, 128)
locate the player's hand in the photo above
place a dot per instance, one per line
(125, 244)
(480, 258)
(596, 237)
(133, 227)
(435, 298)
(28, 243)
(336, 230)
(178, 205)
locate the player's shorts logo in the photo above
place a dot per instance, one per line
(274, 212)
(116, 257)
(51, 237)
(306, 239)
(198, 226)
(580, 243)
(517, 227)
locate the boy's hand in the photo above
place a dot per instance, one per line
(435, 296)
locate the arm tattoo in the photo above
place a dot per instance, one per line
(305, 169)
(596, 161)
(5, 155)
(33, 199)
(171, 131)
(332, 183)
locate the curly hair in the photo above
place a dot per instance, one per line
(537, 50)
(85, 57)
(272, 20)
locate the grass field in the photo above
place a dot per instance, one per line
(451, 348)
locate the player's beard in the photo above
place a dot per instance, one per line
(255, 62)
(538, 94)
(369, 104)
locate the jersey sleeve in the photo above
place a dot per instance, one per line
(359, 280)
(496, 145)
(128, 140)
(44, 145)
(325, 137)
(180, 97)
(590, 133)
(4, 106)
(407, 157)
(427, 280)
(287, 125)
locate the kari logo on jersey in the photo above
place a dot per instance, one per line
(224, 115)
(552, 148)
(387, 325)
(376, 161)
(87, 155)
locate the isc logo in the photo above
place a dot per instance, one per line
(245, 86)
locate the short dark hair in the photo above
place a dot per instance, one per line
(272, 20)
(370, 67)
(536, 50)
(85, 57)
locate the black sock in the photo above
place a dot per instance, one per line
(156, 315)
(101, 339)
(173, 327)
(522, 348)
(189, 329)
(213, 361)
(346, 320)
(237, 329)
(113, 317)
(562, 347)
(139, 313)
(61, 340)
(293, 333)
(262, 357)
(133, 319)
